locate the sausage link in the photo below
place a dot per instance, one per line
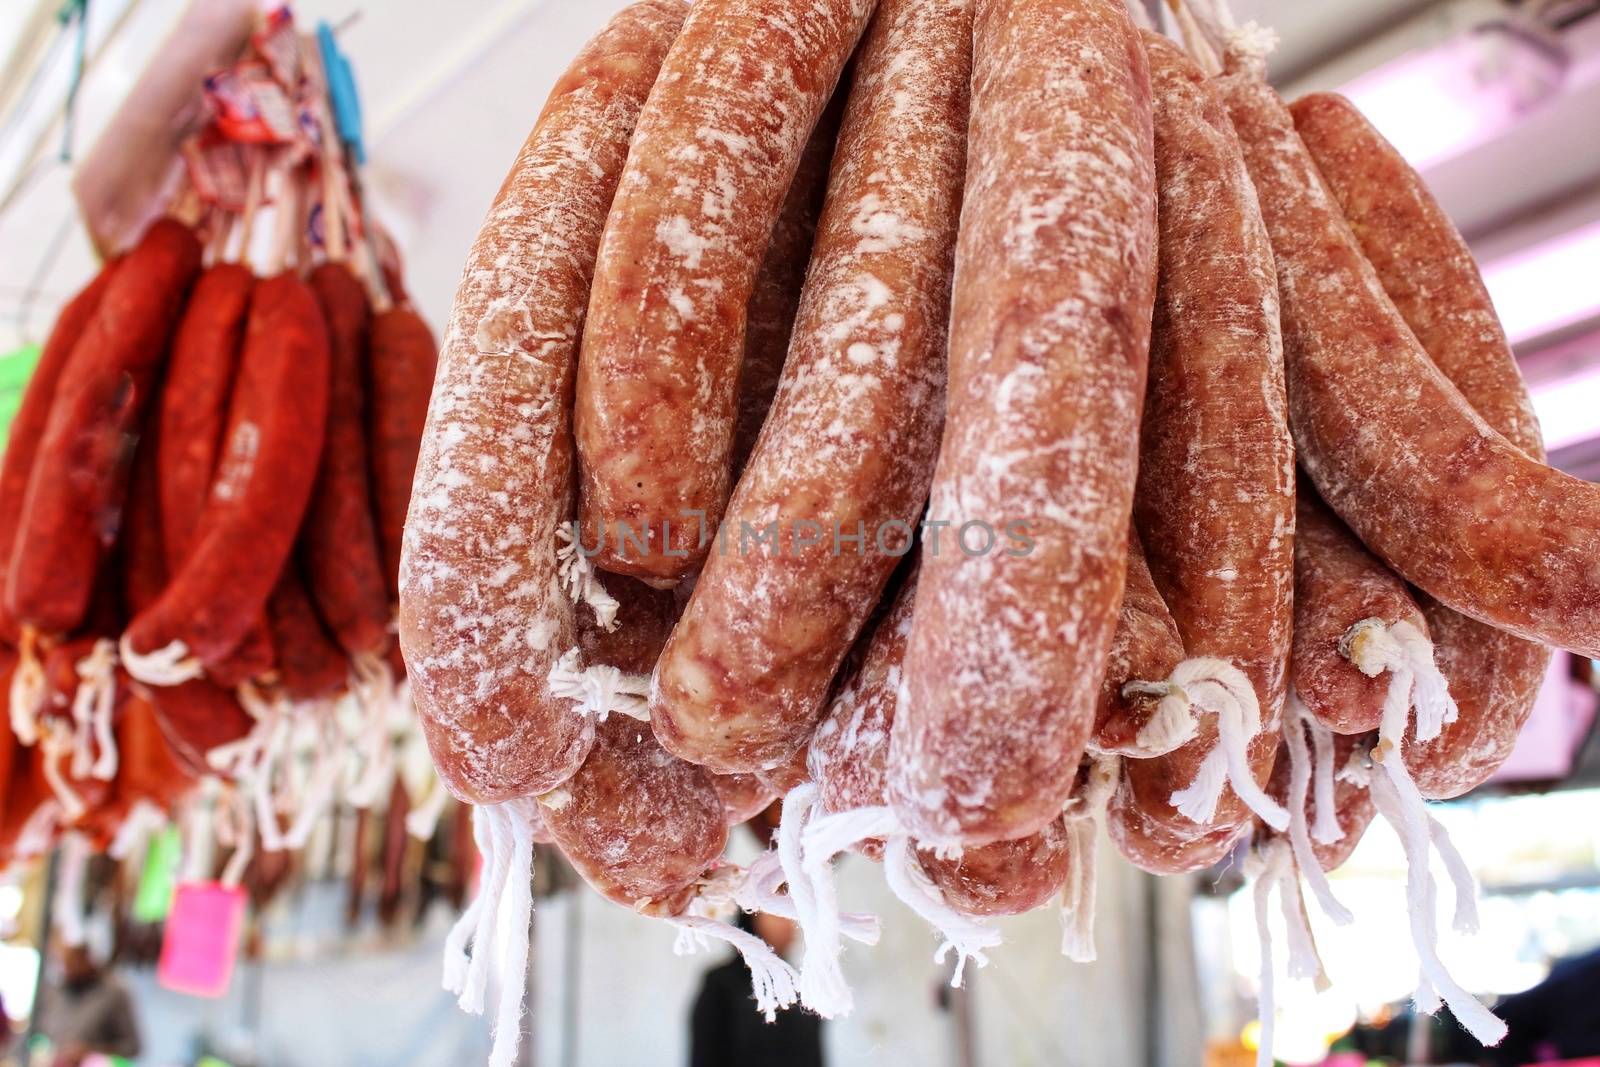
(1145, 645)
(1431, 488)
(1054, 283)
(402, 360)
(1428, 271)
(717, 147)
(194, 401)
(639, 825)
(1150, 842)
(74, 499)
(26, 432)
(1215, 497)
(311, 666)
(149, 768)
(483, 617)
(264, 479)
(1005, 877)
(850, 442)
(775, 298)
(338, 542)
(197, 715)
(193, 415)
(743, 796)
(1352, 801)
(848, 759)
(1339, 589)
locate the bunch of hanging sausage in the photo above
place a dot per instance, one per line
(203, 499)
(898, 405)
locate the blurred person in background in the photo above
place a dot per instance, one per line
(725, 1030)
(1558, 1019)
(86, 1010)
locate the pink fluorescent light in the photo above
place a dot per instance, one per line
(1431, 104)
(1548, 287)
(1568, 408)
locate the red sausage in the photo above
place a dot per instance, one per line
(339, 545)
(310, 665)
(74, 499)
(193, 415)
(402, 357)
(197, 716)
(265, 477)
(27, 426)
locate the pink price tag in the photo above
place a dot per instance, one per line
(201, 943)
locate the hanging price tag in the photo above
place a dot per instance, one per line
(201, 941)
(15, 369)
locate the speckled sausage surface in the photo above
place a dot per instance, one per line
(1394, 448)
(483, 615)
(1429, 273)
(849, 445)
(1054, 283)
(1338, 583)
(715, 152)
(1146, 645)
(1215, 499)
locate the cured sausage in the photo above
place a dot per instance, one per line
(1007, 646)
(1344, 599)
(639, 825)
(197, 715)
(194, 401)
(1054, 282)
(194, 414)
(775, 298)
(402, 360)
(1432, 489)
(28, 424)
(849, 752)
(1490, 680)
(338, 542)
(1146, 644)
(849, 445)
(310, 665)
(847, 808)
(1150, 842)
(264, 479)
(74, 499)
(1215, 497)
(1429, 273)
(1428, 486)
(1007, 877)
(1352, 806)
(716, 149)
(483, 616)
(744, 796)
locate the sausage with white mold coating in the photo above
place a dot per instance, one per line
(484, 617)
(1054, 283)
(1428, 272)
(716, 149)
(1431, 488)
